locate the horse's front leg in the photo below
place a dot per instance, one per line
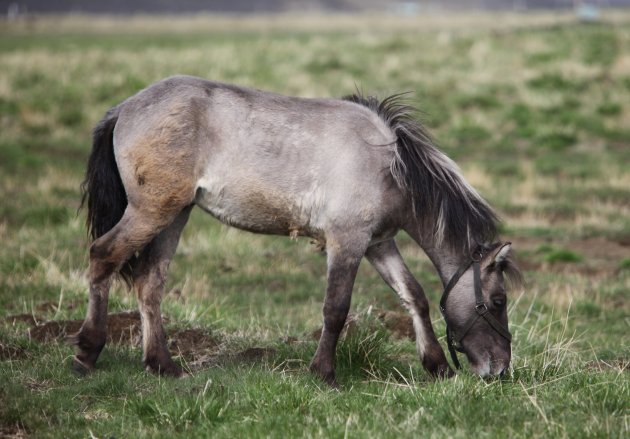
(344, 258)
(390, 265)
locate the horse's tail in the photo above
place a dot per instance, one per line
(102, 190)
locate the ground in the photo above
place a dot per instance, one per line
(534, 108)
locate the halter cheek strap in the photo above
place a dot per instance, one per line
(454, 339)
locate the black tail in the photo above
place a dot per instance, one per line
(103, 190)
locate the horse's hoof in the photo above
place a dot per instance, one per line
(166, 370)
(327, 377)
(444, 372)
(80, 368)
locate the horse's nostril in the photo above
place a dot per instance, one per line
(503, 372)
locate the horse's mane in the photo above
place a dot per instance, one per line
(441, 198)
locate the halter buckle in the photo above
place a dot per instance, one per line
(477, 255)
(481, 308)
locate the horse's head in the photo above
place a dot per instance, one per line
(474, 305)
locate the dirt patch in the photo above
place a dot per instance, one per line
(252, 355)
(213, 357)
(399, 324)
(13, 432)
(9, 352)
(122, 328)
(50, 331)
(600, 248)
(125, 328)
(29, 319)
(192, 344)
(620, 365)
(601, 256)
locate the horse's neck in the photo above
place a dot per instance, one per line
(446, 260)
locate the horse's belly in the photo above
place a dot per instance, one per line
(255, 208)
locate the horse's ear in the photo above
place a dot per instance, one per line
(502, 254)
(503, 260)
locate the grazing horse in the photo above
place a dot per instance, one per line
(349, 173)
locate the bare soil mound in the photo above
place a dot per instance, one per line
(122, 328)
(399, 324)
(192, 344)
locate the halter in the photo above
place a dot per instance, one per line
(481, 309)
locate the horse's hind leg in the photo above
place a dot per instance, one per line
(390, 265)
(107, 254)
(344, 257)
(149, 278)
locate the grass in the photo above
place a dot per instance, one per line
(533, 108)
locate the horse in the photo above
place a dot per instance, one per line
(349, 172)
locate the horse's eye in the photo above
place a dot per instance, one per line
(499, 302)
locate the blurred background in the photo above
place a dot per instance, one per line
(301, 6)
(530, 97)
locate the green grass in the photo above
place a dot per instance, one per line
(537, 117)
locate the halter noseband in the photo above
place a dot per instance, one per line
(481, 309)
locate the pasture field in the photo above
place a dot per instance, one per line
(534, 108)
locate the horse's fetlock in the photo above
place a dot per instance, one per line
(89, 343)
(326, 373)
(161, 365)
(434, 362)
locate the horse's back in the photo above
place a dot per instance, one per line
(257, 160)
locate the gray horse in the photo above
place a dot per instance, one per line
(349, 173)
